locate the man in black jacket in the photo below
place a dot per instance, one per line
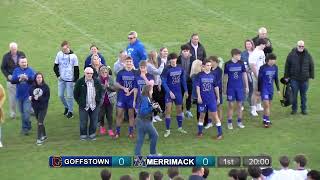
(263, 34)
(197, 50)
(9, 63)
(299, 68)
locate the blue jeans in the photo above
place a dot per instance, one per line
(68, 100)
(93, 116)
(24, 107)
(297, 86)
(143, 128)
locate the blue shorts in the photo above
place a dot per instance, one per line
(125, 102)
(266, 96)
(178, 100)
(235, 94)
(204, 107)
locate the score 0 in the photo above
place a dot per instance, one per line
(121, 161)
(229, 161)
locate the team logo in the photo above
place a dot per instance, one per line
(56, 161)
(140, 161)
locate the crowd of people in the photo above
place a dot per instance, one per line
(144, 86)
(256, 173)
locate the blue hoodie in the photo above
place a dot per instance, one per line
(137, 52)
(22, 91)
(87, 63)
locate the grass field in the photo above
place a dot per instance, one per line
(39, 26)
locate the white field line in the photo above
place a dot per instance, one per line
(73, 25)
(223, 16)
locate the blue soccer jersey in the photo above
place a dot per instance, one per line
(173, 78)
(141, 82)
(267, 75)
(207, 83)
(126, 79)
(235, 71)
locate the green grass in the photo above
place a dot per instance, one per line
(39, 27)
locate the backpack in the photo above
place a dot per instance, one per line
(286, 95)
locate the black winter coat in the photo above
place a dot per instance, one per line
(299, 66)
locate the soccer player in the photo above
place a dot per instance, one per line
(208, 97)
(143, 78)
(217, 72)
(173, 79)
(126, 98)
(268, 74)
(236, 81)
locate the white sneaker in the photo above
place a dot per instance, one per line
(209, 125)
(157, 118)
(230, 126)
(189, 114)
(167, 133)
(240, 125)
(182, 130)
(1, 144)
(259, 107)
(154, 120)
(12, 115)
(254, 113)
(242, 108)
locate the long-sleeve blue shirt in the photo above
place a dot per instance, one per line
(22, 91)
(87, 63)
(173, 79)
(137, 52)
(145, 106)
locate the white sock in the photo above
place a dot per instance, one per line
(253, 108)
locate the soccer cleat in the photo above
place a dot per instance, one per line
(182, 130)
(167, 133)
(103, 130)
(1, 144)
(219, 137)
(240, 125)
(69, 115)
(39, 142)
(230, 126)
(254, 113)
(304, 112)
(199, 135)
(65, 111)
(189, 114)
(116, 136)
(209, 125)
(93, 138)
(259, 107)
(131, 136)
(266, 125)
(242, 108)
(157, 118)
